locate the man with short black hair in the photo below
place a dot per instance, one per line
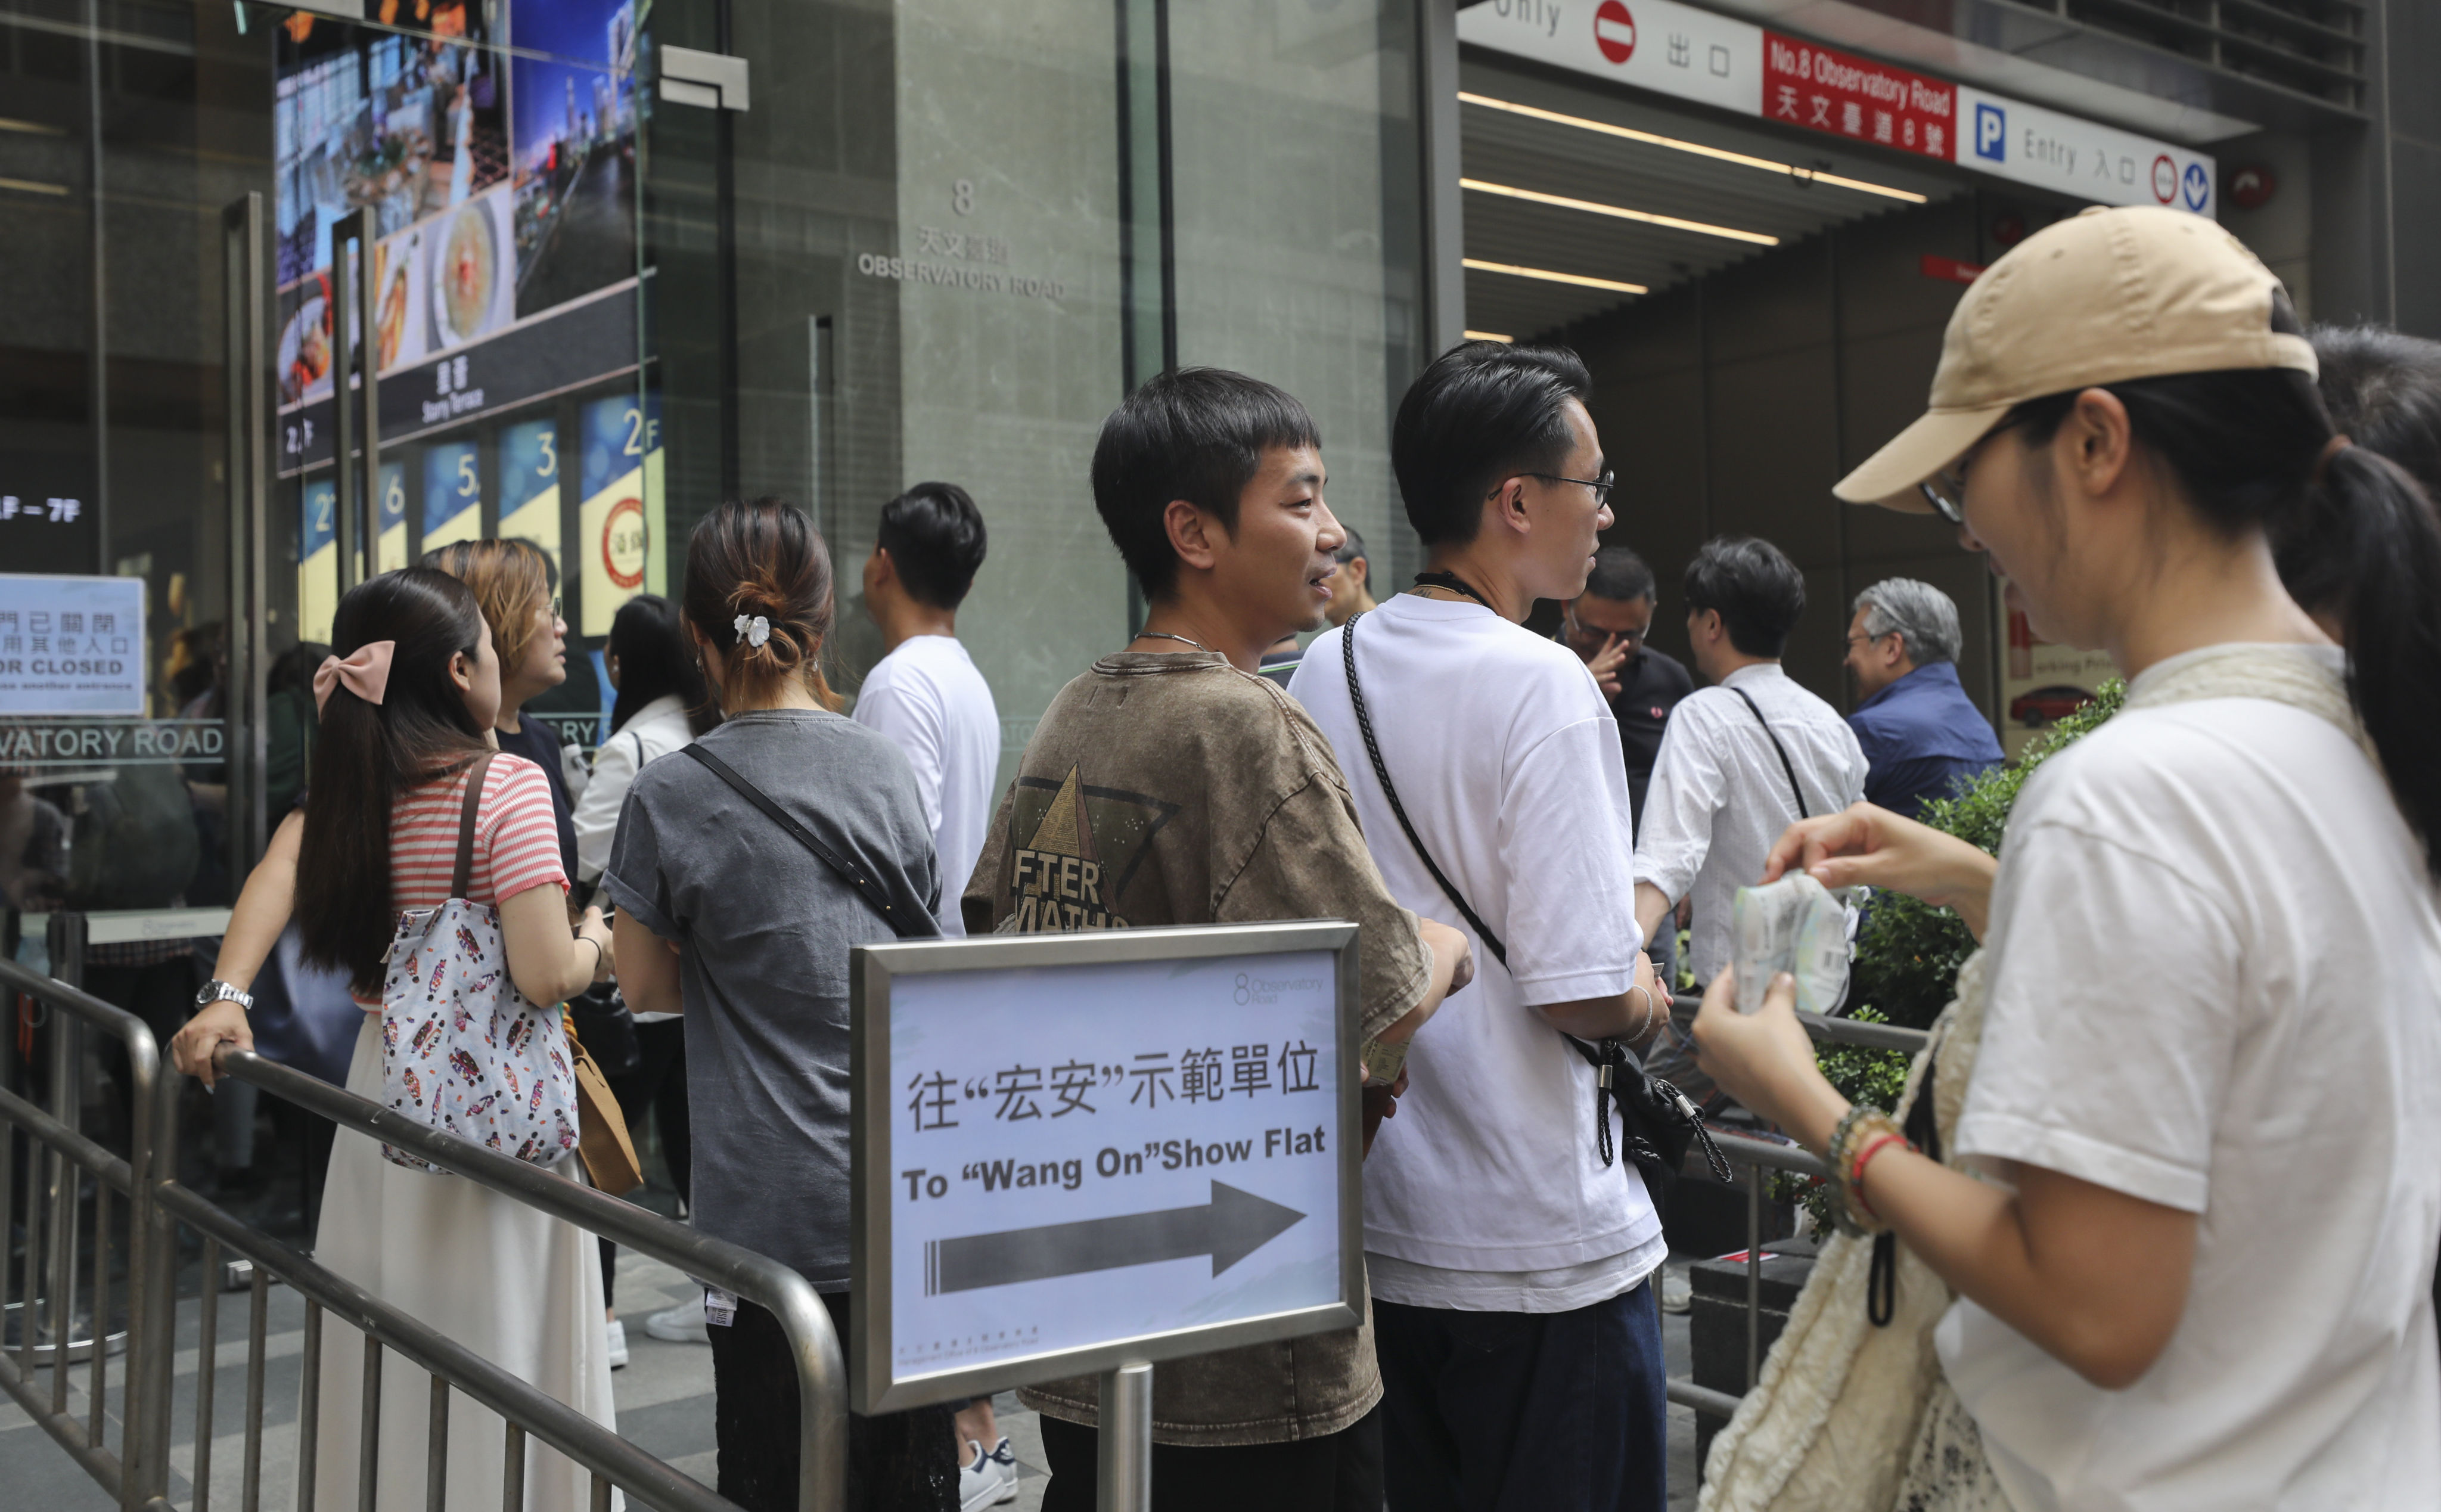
(1606, 625)
(925, 692)
(1922, 737)
(1511, 1241)
(1352, 587)
(1170, 785)
(1743, 758)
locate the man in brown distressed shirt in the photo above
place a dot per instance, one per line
(1170, 785)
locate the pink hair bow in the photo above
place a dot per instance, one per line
(366, 671)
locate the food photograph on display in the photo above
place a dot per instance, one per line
(410, 126)
(472, 278)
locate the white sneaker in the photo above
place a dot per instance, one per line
(682, 1324)
(618, 1344)
(1005, 1459)
(980, 1482)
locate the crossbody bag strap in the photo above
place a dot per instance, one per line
(866, 888)
(464, 876)
(1382, 774)
(1785, 765)
(1608, 1060)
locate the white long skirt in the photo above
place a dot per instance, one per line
(513, 1285)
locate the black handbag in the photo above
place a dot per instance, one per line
(1658, 1119)
(606, 1029)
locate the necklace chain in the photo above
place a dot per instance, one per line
(1164, 635)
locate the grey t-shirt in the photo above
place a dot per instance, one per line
(765, 928)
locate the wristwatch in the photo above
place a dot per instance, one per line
(218, 991)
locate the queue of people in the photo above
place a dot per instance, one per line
(2202, 1013)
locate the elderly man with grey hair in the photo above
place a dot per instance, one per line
(1922, 736)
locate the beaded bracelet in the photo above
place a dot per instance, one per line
(1861, 1133)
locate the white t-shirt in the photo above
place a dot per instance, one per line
(651, 732)
(2215, 968)
(927, 698)
(1719, 795)
(1508, 760)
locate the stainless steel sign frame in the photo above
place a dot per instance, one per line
(1233, 1223)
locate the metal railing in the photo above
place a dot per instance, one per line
(58, 1158)
(1758, 1155)
(139, 1474)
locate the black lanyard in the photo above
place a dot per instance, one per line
(1454, 583)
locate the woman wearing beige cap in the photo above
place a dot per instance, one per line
(2168, 1211)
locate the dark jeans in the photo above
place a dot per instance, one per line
(1507, 1412)
(162, 994)
(1338, 1472)
(656, 1086)
(899, 1462)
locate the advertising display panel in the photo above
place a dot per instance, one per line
(502, 188)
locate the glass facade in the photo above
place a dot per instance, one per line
(958, 235)
(938, 241)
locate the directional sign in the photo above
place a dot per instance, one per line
(1232, 1226)
(1077, 1149)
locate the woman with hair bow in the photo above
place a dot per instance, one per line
(389, 840)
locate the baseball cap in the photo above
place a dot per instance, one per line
(2100, 298)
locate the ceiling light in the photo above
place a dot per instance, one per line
(1491, 335)
(37, 128)
(1619, 212)
(1582, 281)
(1717, 154)
(28, 185)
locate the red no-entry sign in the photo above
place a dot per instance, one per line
(1615, 31)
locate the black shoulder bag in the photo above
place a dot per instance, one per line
(1658, 1121)
(910, 921)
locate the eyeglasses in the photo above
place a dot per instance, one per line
(555, 606)
(1945, 491)
(1593, 634)
(1601, 486)
(1942, 491)
(1855, 641)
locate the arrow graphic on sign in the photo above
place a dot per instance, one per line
(1232, 1226)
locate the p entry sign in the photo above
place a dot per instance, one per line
(1081, 1151)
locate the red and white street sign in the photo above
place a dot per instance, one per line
(1615, 31)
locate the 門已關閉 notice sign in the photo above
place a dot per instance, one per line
(71, 645)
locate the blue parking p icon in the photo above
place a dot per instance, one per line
(1991, 132)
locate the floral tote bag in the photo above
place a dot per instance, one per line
(463, 1050)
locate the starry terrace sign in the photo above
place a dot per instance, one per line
(1081, 1151)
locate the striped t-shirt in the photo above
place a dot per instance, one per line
(516, 837)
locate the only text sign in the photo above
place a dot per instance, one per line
(1076, 1148)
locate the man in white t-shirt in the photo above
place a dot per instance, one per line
(1509, 1242)
(927, 696)
(1743, 759)
(925, 692)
